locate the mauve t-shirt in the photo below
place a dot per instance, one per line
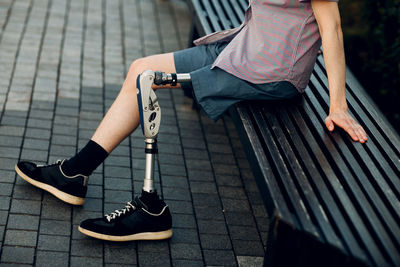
(278, 41)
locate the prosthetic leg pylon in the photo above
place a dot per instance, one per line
(150, 115)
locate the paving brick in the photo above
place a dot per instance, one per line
(176, 194)
(10, 141)
(195, 154)
(36, 144)
(187, 263)
(207, 200)
(20, 238)
(219, 258)
(154, 259)
(182, 235)
(7, 164)
(13, 121)
(25, 206)
(161, 246)
(94, 191)
(34, 155)
(55, 227)
(37, 133)
(93, 204)
(63, 150)
(53, 243)
(203, 187)
(180, 207)
(9, 152)
(249, 261)
(11, 130)
(117, 196)
(219, 158)
(86, 261)
(4, 203)
(225, 169)
(174, 170)
(27, 191)
(3, 217)
(5, 189)
(15, 254)
(51, 259)
(117, 184)
(7, 176)
(203, 176)
(232, 192)
(113, 160)
(120, 253)
(183, 221)
(67, 140)
(40, 114)
(243, 233)
(39, 123)
(238, 205)
(212, 227)
(186, 251)
(117, 172)
(213, 241)
(55, 211)
(237, 218)
(248, 248)
(209, 213)
(168, 159)
(23, 222)
(86, 247)
(174, 181)
(198, 164)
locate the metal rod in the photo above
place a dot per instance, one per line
(183, 78)
(151, 150)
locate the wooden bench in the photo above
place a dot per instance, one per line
(331, 201)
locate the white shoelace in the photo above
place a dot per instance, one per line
(118, 213)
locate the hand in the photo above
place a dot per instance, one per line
(345, 121)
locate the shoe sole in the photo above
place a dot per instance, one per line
(52, 190)
(140, 236)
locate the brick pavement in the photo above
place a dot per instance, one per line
(62, 62)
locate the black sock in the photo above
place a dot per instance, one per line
(86, 161)
(152, 201)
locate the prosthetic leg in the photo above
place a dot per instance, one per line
(150, 115)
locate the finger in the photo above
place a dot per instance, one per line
(362, 134)
(351, 131)
(329, 124)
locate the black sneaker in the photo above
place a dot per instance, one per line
(134, 222)
(51, 178)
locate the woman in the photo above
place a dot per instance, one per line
(270, 56)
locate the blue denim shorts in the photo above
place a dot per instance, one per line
(215, 90)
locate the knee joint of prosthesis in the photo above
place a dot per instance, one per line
(150, 114)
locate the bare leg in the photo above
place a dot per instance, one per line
(123, 116)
